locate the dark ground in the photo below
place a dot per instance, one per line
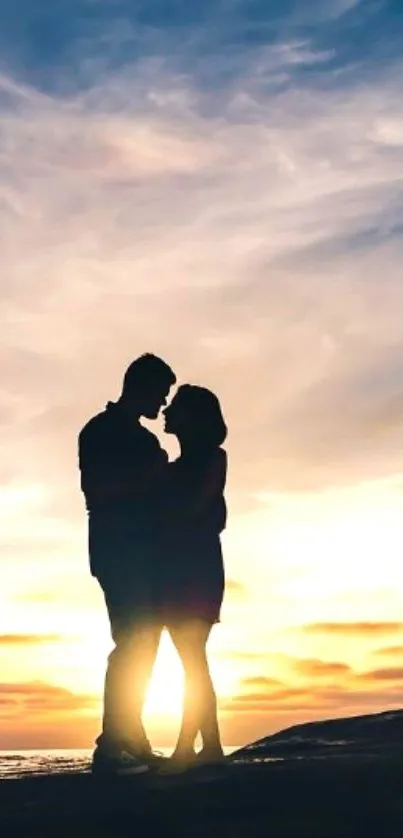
(341, 779)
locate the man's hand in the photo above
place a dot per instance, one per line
(99, 492)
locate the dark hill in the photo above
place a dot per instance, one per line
(378, 734)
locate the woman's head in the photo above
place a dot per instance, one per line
(195, 417)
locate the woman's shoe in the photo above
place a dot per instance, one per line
(154, 759)
(208, 758)
(117, 761)
(177, 765)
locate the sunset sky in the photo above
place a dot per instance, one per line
(219, 182)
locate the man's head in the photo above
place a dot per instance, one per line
(146, 385)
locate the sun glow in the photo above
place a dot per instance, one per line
(83, 664)
(165, 692)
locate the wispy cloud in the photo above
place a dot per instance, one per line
(37, 697)
(322, 669)
(389, 651)
(346, 628)
(261, 681)
(387, 674)
(314, 700)
(29, 639)
(235, 588)
(102, 209)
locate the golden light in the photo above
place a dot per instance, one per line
(165, 693)
(79, 665)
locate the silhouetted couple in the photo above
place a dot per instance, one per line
(154, 544)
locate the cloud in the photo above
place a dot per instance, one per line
(259, 706)
(84, 39)
(41, 698)
(389, 651)
(274, 698)
(260, 681)
(121, 203)
(328, 687)
(105, 280)
(29, 639)
(387, 674)
(244, 655)
(322, 669)
(340, 7)
(318, 701)
(35, 596)
(355, 628)
(235, 588)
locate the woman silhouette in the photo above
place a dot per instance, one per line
(192, 574)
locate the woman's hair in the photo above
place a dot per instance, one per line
(204, 414)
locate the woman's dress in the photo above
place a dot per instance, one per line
(192, 572)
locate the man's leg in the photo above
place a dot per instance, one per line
(128, 594)
(127, 676)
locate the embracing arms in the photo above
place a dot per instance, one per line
(212, 486)
(201, 498)
(106, 474)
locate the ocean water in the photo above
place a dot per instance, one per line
(17, 764)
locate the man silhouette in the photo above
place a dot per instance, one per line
(120, 463)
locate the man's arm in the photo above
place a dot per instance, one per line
(101, 490)
(99, 466)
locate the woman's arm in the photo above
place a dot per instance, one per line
(212, 486)
(192, 500)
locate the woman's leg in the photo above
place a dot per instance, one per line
(210, 733)
(200, 703)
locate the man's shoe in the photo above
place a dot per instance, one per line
(119, 762)
(152, 758)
